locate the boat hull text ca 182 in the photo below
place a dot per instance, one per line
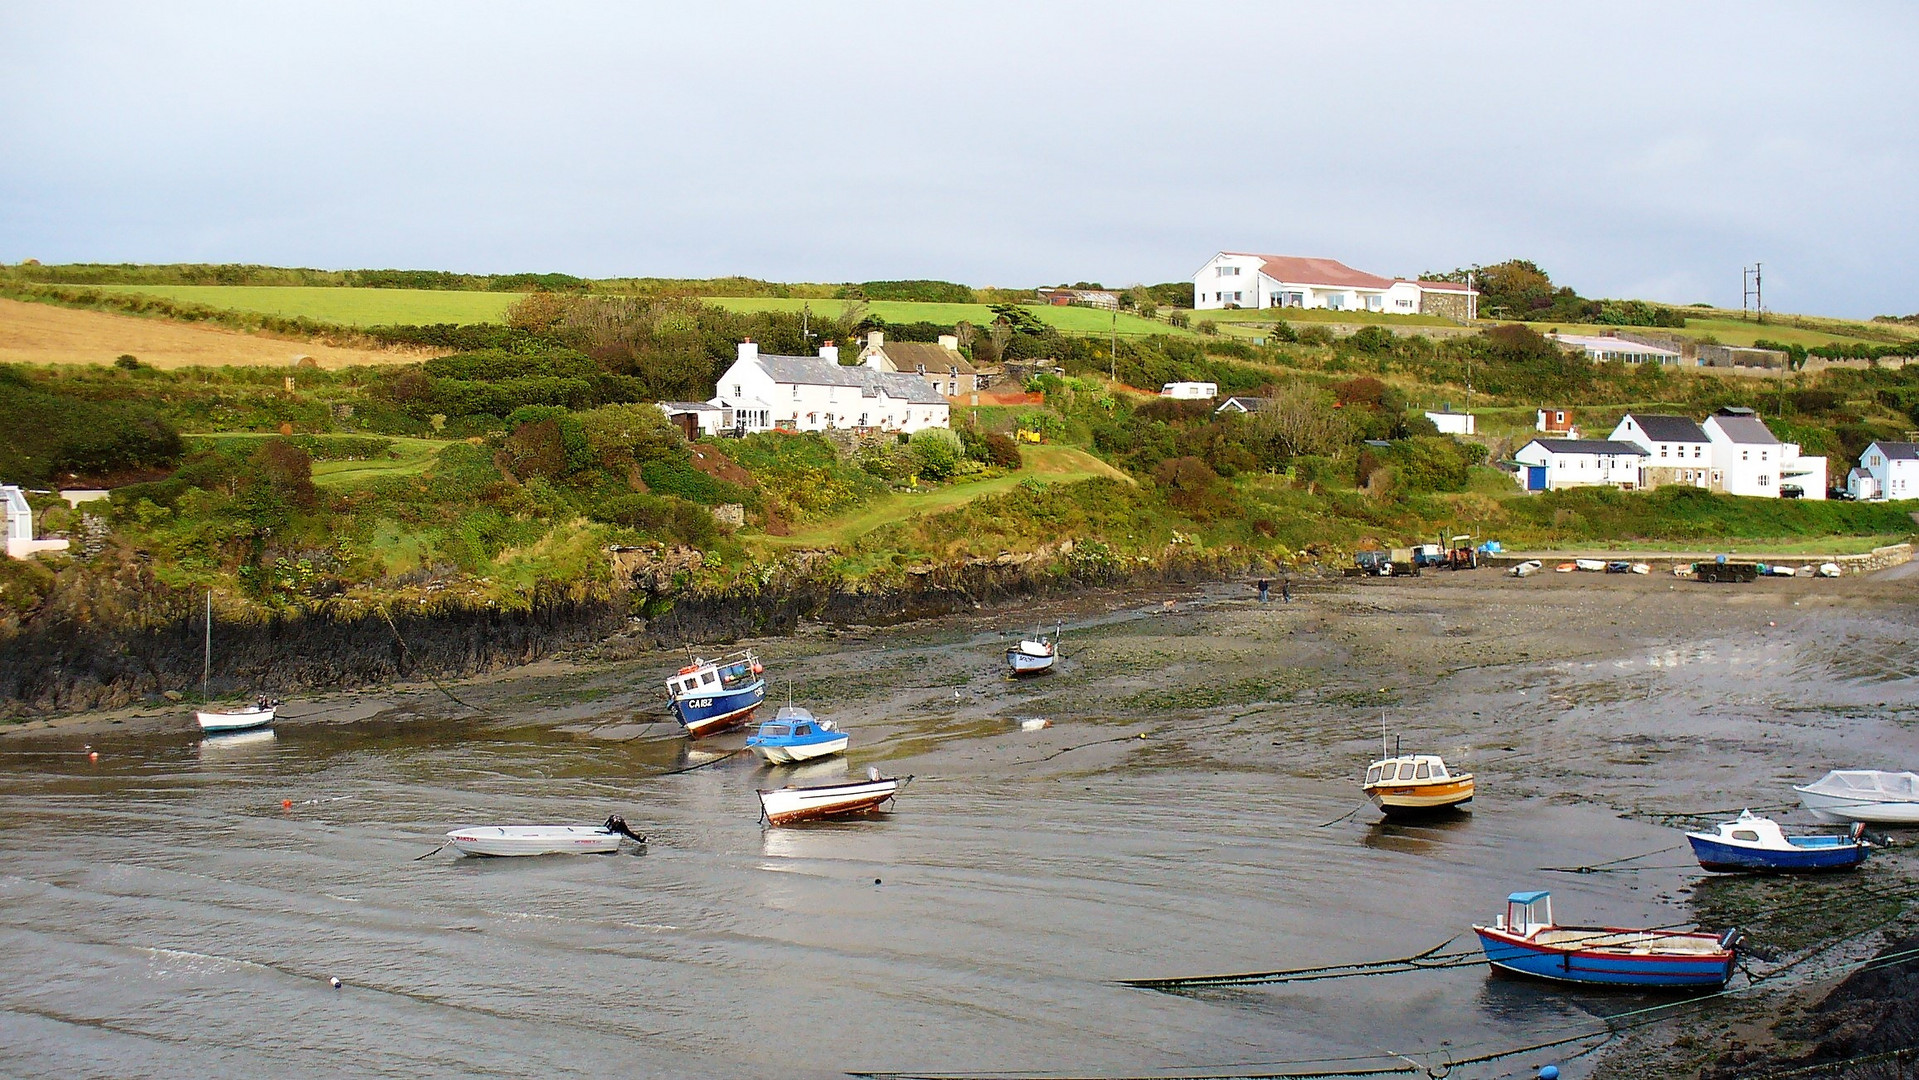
(710, 696)
(1526, 942)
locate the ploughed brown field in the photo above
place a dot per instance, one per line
(45, 334)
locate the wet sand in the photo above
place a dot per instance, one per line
(165, 910)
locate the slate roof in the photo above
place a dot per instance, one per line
(819, 371)
(689, 406)
(1899, 451)
(1669, 429)
(1590, 446)
(909, 355)
(1249, 404)
(1741, 426)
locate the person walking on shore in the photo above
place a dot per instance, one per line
(1265, 589)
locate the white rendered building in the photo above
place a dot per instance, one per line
(1746, 453)
(1190, 391)
(1553, 464)
(1234, 279)
(815, 393)
(20, 541)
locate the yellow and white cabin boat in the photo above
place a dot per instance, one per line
(1416, 784)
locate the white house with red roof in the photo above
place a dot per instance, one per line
(1236, 279)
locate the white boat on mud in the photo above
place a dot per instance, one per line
(1033, 656)
(509, 840)
(796, 735)
(1591, 566)
(1869, 795)
(784, 806)
(257, 715)
(1528, 568)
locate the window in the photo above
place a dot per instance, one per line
(1372, 775)
(736, 390)
(1662, 449)
(1745, 834)
(1745, 455)
(1764, 480)
(796, 391)
(708, 677)
(1695, 453)
(1236, 296)
(1424, 772)
(1874, 460)
(1229, 271)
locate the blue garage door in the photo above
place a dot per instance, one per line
(1535, 478)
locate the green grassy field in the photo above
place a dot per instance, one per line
(343, 306)
(410, 456)
(1072, 320)
(1045, 463)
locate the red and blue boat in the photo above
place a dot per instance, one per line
(713, 695)
(1751, 844)
(1526, 941)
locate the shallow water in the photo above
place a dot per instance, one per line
(162, 913)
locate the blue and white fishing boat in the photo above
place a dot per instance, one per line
(1526, 941)
(1033, 656)
(1756, 844)
(713, 695)
(796, 735)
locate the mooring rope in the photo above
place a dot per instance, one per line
(1602, 867)
(441, 687)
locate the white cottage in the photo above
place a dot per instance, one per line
(816, 393)
(1746, 454)
(1553, 464)
(1678, 451)
(1887, 470)
(20, 541)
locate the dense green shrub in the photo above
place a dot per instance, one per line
(674, 476)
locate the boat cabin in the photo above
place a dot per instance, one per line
(1527, 913)
(1412, 767)
(713, 676)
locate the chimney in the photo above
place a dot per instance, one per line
(875, 339)
(829, 351)
(749, 351)
(949, 341)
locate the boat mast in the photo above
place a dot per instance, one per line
(206, 659)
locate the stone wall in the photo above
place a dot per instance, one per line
(1448, 305)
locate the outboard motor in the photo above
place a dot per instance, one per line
(617, 824)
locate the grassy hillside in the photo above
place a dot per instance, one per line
(1071, 320)
(341, 306)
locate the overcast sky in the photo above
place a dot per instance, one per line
(1631, 150)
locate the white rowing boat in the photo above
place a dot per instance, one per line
(542, 839)
(253, 716)
(786, 805)
(1870, 795)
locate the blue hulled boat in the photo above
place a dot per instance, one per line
(1526, 941)
(1756, 844)
(713, 695)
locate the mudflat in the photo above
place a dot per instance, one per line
(1192, 808)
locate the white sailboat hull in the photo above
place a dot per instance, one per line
(235, 720)
(790, 804)
(535, 840)
(1879, 798)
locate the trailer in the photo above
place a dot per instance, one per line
(1716, 571)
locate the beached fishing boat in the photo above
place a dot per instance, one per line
(1528, 568)
(787, 805)
(796, 735)
(1756, 844)
(1412, 784)
(713, 695)
(1869, 795)
(513, 840)
(1033, 656)
(1526, 941)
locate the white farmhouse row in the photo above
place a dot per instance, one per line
(1732, 452)
(766, 392)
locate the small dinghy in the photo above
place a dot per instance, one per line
(1565, 568)
(1528, 568)
(1526, 941)
(1869, 795)
(1033, 656)
(543, 839)
(1641, 568)
(1756, 844)
(787, 805)
(257, 715)
(1830, 569)
(796, 735)
(1590, 565)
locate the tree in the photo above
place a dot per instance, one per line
(1296, 422)
(937, 452)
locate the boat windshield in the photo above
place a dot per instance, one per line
(1422, 771)
(775, 731)
(1439, 770)
(1372, 775)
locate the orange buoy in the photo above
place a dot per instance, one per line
(93, 755)
(286, 804)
